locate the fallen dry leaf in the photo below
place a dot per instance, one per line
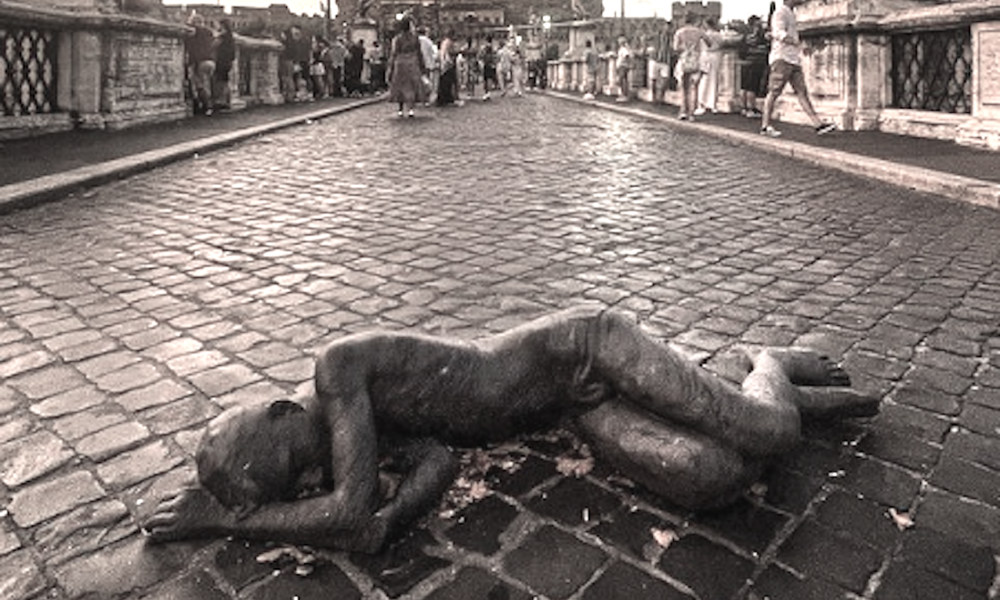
(901, 519)
(663, 537)
(575, 467)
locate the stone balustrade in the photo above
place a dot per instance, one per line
(899, 66)
(92, 68)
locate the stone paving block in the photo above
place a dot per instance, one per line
(199, 585)
(749, 526)
(776, 583)
(84, 530)
(88, 350)
(932, 378)
(180, 414)
(480, 526)
(903, 450)
(196, 362)
(47, 381)
(625, 582)
(223, 379)
(971, 566)
(8, 539)
(859, 519)
(696, 562)
(974, 522)
(914, 422)
(23, 357)
(326, 581)
(19, 577)
(163, 391)
(70, 339)
(403, 565)
(86, 422)
(905, 581)
(14, 427)
(981, 419)
(631, 531)
(818, 552)
(68, 402)
(936, 401)
(97, 366)
(32, 456)
(34, 504)
(881, 482)
(125, 470)
(293, 371)
(968, 479)
(553, 563)
(973, 447)
(128, 378)
(477, 583)
(119, 569)
(108, 442)
(575, 502)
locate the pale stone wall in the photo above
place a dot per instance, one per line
(115, 70)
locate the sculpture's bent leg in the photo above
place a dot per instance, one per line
(758, 420)
(685, 467)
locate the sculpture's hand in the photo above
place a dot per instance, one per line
(193, 512)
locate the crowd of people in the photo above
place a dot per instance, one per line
(770, 60)
(210, 56)
(452, 70)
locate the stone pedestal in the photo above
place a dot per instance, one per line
(984, 128)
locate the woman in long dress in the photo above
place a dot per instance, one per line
(406, 68)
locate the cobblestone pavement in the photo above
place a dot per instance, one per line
(135, 312)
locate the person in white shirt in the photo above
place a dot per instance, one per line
(429, 49)
(623, 65)
(786, 67)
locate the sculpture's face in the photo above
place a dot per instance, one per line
(252, 456)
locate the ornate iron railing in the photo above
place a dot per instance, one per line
(932, 70)
(27, 70)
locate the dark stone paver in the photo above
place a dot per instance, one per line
(132, 313)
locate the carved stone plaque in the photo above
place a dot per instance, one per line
(145, 67)
(989, 66)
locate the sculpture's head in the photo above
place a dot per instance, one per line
(254, 455)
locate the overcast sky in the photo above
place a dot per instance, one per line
(731, 9)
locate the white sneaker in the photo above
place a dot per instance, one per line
(588, 96)
(770, 131)
(699, 111)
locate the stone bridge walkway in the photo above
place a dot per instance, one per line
(132, 313)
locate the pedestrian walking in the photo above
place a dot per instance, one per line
(337, 54)
(518, 68)
(431, 63)
(225, 55)
(200, 48)
(488, 58)
(406, 68)
(590, 64)
(753, 70)
(448, 83)
(688, 42)
(623, 66)
(711, 58)
(786, 67)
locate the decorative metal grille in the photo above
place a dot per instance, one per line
(27, 71)
(932, 70)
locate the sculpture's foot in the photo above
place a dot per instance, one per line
(802, 366)
(820, 403)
